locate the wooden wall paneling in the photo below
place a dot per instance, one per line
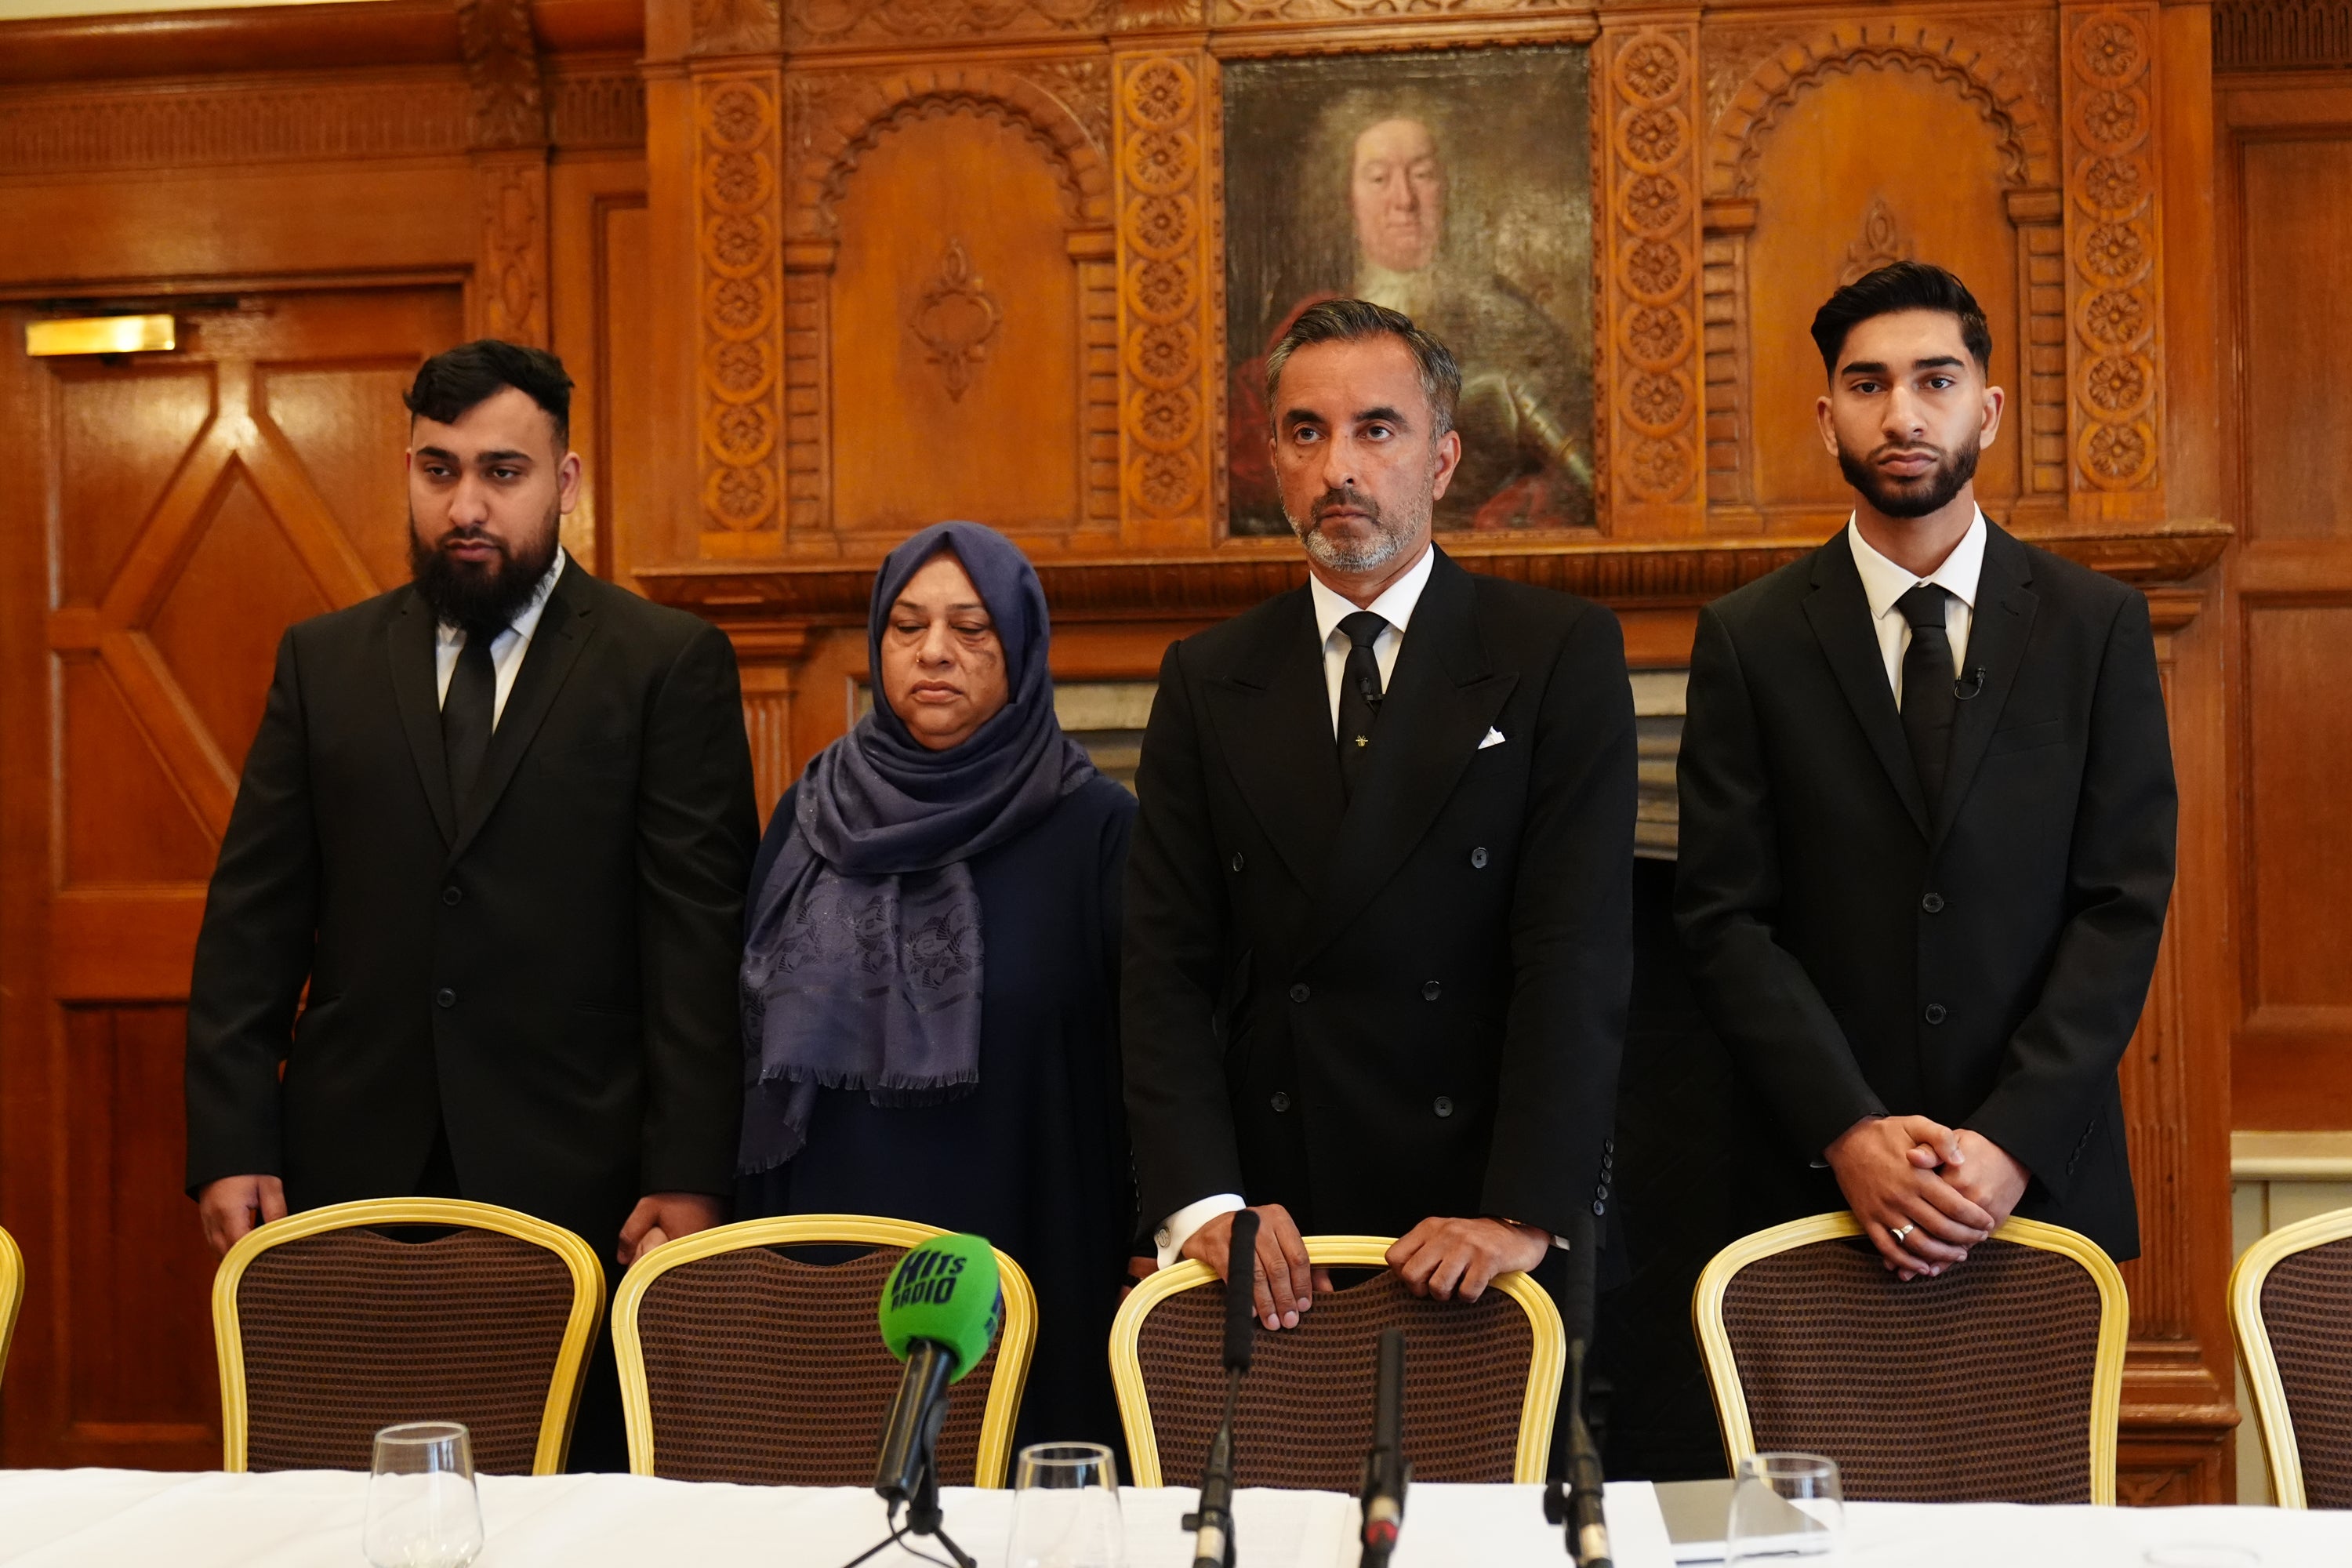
(1652, 438)
(2178, 1412)
(599, 299)
(506, 129)
(1835, 149)
(2284, 198)
(737, 235)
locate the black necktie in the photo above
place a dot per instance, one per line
(1930, 700)
(1359, 692)
(467, 714)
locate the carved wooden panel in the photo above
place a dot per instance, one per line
(1853, 145)
(2281, 35)
(2115, 242)
(739, 231)
(887, 22)
(1652, 438)
(1167, 151)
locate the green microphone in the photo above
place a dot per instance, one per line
(939, 1312)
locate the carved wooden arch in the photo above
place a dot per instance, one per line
(2003, 96)
(847, 129)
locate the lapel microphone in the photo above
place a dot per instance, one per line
(1973, 686)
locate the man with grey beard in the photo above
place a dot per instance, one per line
(1378, 937)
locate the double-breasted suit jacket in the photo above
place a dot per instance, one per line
(1405, 1003)
(547, 970)
(1985, 966)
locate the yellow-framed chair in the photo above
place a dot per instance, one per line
(2287, 1314)
(739, 1363)
(1964, 1387)
(328, 1330)
(1305, 1418)
(11, 1293)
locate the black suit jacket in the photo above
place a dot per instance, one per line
(1406, 1005)
(1986, 968)
(549, 972)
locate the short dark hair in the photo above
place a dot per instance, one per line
(1351, 321)
(451, 383)
(1901, 286)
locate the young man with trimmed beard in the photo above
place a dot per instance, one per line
(497, 821)
(1927, 835)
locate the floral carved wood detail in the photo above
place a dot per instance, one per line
(1647, 204)
(1163, 286)
(822, 22)
(1881, 243)
(2113, 234)
(738, 409)
(955, 319)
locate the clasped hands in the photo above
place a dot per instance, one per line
(1448, 1259)
(1943, 1190)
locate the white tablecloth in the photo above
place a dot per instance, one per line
(52, 1518)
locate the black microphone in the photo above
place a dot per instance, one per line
(1386, 1471)
(1579, 1511)
(1212, 1522)
(1973, 686)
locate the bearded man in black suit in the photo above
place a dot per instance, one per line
(1378, 939)
(497, 821)
(1928, 816)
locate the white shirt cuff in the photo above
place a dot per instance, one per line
(1178, 1227)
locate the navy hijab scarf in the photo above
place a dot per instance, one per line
(862, 965)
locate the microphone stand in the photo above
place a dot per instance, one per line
(1387, 1472)
(924, 1516)
(1212, 1522)
(1577, 1506)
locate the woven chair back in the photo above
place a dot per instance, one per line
(1305, 1418)
(2303, 1309)
(351, 1330)
(767, 1370)
(1972, 1386)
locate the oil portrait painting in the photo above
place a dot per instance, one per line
(1454, 186)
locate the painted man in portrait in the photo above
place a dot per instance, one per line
(1526, 409)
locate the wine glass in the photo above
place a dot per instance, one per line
(1786, 1506)
(1065, 1508)
(422, 1508)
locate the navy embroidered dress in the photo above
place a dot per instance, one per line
(1035, 1158)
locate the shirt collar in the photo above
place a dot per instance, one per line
(1883, 581)
(1395, 605)
(526, 619)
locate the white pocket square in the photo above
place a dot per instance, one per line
(1493, 738)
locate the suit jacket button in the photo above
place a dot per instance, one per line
(1237, 862)
(1933, 903)
(453, 895)
(1429, 991)
(1280, 1101)
(1299, 993)
(1444, 1106)
(1935, 1013)
(1599, 1208)
(1478, 858)
(444, 997)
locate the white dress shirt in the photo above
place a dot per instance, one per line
(507, 648)
(1883, 583)
(1394, 606)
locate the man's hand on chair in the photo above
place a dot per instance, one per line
(664, 1216)
(1917, 1217)
(1458, 1259)
(1285, 1283)
(234, 1205)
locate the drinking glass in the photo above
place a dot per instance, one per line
(422, 1510)
(1065, 1508)
(1785, 1507)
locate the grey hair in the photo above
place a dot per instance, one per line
(1352, 321)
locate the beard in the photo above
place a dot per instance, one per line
(484, 598)
(1390, 538)
(1919, 495)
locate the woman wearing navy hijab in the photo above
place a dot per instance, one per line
(930, 965)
